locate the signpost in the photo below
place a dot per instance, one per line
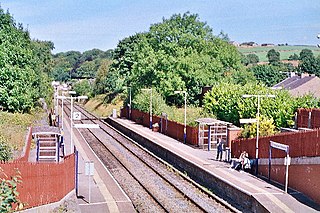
(287, 160)
(89, 171)
(76, 116)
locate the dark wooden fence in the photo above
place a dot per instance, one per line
(308, 118)
(42, 183)
(171, 128)
(301, 144)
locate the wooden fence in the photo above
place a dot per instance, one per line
(171, 128)
(42, 183)
(308, 118)
(301, 144)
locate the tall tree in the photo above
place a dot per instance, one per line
(308, 63)
(22, 68)
(179, 53)
(273, 57)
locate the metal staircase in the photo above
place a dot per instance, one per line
(48, 148)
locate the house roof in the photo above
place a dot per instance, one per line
(300, 85)
(293, 82)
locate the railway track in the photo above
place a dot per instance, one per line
(151, 183)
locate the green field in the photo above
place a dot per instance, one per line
(285, 51)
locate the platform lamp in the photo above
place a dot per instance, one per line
(150, 105)
(185, 115)
(258, 115)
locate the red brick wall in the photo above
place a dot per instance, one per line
(304, 178)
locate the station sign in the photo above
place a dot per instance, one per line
(248, 120)
(279, 146)
(86, 126)
(76, 116)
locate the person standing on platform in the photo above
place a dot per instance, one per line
(219, 149)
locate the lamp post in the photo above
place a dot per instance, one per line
(185, 115)
(318, 36)
(129, 100)
(150, 111)
(55, 85)
(258, 115)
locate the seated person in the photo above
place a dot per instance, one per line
(242, 163)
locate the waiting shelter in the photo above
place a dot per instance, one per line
(210, 130)
(48, 139)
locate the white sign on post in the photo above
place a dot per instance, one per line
(76, 116)
(89, 169)
(248, 120)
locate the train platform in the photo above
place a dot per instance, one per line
(99, 193)
(272, 198)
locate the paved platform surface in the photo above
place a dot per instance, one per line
(272, 198)
(105, 195)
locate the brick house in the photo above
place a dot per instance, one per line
(300, 85)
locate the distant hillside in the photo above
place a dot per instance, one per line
(285, 51)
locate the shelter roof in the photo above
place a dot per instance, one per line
(211, 121)
(45, 130)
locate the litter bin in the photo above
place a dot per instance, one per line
(114, 113)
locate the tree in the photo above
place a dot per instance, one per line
(308, 63)
(225, 101)
(252, 58)
(268, 74)
(22, 66)
(273, 57)
(180, 53)
(83, 87)
(293, 57)
(100, 83)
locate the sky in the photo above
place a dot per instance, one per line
(86, 24)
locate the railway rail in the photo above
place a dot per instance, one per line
(152, 184)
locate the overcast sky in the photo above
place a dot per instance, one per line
(82, 24)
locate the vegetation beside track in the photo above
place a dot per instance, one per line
(13, 128)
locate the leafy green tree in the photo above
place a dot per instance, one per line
(273, 57)
(180, 53)
(142, 102)
(252, 58)
(308, 63)
(83, 87)
(268, 74)
(22, 66)
(100, 83)
(225, 101)
(293, 57)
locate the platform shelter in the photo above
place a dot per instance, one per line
(210, 130)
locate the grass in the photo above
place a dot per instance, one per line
(14, 126)
(96, 106)
(285, 51)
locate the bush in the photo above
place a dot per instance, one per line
(5, 150)
(8, 192)
(141, 102)
(266, 127)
